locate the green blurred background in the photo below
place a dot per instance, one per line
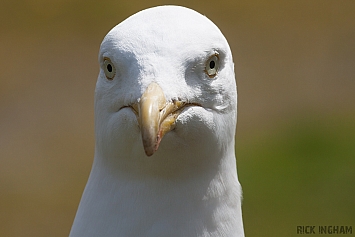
(295, 68)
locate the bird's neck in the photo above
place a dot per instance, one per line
(164, 205)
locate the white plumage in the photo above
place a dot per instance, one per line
(165, 119)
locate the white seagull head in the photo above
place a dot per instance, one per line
(166, 87)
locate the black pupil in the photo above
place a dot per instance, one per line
(109, 67)
(212, 64)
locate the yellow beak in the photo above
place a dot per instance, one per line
(156, 117)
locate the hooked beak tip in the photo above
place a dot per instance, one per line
(156, 116)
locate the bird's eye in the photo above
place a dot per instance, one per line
(109, 69)
(212, 66)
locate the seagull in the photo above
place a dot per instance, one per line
(165, 122)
